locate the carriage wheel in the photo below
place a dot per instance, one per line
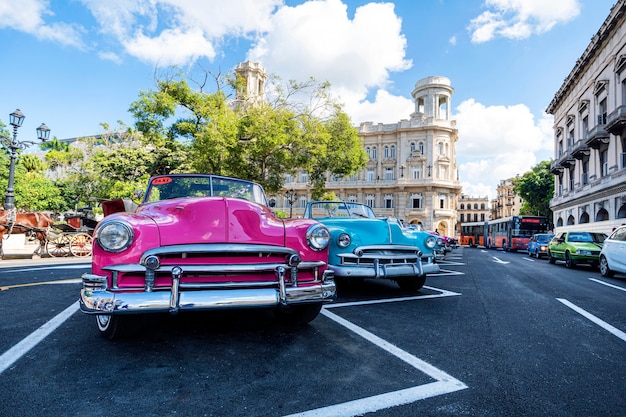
(58, 246)
(80, 244)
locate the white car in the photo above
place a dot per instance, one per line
(613, 254)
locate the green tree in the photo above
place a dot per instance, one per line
(298, 127)
(536, 187)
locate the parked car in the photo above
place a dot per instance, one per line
(363, 246)
(613, 253)
(202, 242)
(576, 248)
(538, 244)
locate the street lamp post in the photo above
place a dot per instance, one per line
(13, 146)
(291, 198)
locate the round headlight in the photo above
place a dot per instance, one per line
(430, 242)
(114, 236)
(440, 241)
(317, 237)
(343, 240)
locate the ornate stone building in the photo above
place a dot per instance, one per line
(506, 203)
(473, 209)
(590, 133)
(411, 173)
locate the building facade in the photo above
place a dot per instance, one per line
(472, 209)
(506, 203)
(411, 171)
(590, 134)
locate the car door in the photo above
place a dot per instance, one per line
(532, 245)
(558, 244)
(619, 250)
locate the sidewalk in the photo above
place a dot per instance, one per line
(24, 256)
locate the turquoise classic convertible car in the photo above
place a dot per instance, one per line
(363, 246)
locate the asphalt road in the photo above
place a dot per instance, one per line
(494, 334)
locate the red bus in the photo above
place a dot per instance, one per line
(473, 234)
(513, 233)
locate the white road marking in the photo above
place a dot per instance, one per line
(606, 326)
(16, 352)
(445, 272)
(528, 259)
(497, 260)
(608, 285)
(443, 293)
(444, 383)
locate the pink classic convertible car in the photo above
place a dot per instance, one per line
(201, 242)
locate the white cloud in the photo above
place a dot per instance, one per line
(28, 17)
(176, 32)
(519, 19)
(318, 38)
(498, 142)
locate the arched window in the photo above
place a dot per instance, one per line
(393, 152)
(386, 152)
(475, 206)
(602, 215)
(482, 206)
(440, 146)
(462, 206)
(621, 213)
(368, 150)
(584, 218)
(420, 147)
(559, 222)
(412, 147)
(570, 220)
(374, 153)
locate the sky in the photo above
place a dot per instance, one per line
(75, 64)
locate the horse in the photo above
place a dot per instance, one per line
(34, 224)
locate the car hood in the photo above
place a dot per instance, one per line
(213, 220)
(367, 231)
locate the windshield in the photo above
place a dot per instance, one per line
(187, 186)
(325, 209)
(586, 237)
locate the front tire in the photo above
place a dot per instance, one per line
(116, 327)
(604, 268)
(569, 263)
(411, 283)
(297, 315)
(551, 258)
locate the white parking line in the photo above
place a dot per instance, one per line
(606, 326)
(442, 293)
(444, 383)
(12, 355)
(33, 284)
(608, 285)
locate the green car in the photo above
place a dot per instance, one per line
(576, 248)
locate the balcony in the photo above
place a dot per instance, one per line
(566, 161)
(555, 168)
(580, 150)
(598, 135)
(616, 122)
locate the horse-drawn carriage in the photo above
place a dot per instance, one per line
(72, 238)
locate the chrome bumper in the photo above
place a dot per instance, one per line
(96, 298)
(382, 271)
